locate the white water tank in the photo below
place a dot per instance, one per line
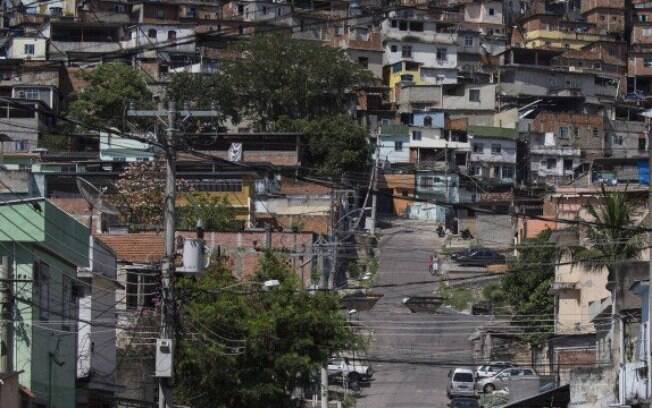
(194, 256)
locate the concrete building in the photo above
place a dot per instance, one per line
(493, 153)
(45, 247)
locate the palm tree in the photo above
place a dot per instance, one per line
(614, 238)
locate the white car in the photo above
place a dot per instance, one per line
(461, 383)
(491, 369)
(503, 378)
(353, 370)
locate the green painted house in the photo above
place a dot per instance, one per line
(45, 246)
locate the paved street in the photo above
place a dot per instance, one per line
(401, 335)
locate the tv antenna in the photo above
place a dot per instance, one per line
(94, 197)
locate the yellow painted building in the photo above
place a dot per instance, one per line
(238, 194)
(561, 39)
(403, 71)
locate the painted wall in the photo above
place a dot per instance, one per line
(388, 151)
(424, 53)
(17, 48)
(437, 119)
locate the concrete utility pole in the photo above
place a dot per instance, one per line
(374, 193)
(6, 313)
(168, 303)
(649, 290)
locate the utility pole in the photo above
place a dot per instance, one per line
(6, 313)
(649, 289)
(165, 343)
(374, 193)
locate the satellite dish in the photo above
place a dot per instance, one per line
(94, 195)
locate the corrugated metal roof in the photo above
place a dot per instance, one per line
(395, 130)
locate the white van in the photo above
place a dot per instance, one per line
(461, 383)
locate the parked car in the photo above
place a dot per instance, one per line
(491, 369)
(480, 257)
(462, 252)
(353, 370)
(502, 379)
(461, 383)
(464, 403)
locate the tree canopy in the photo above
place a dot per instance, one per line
(254, 347)
(527, 283)
(334, 145)
(111, 87)
(273, 76)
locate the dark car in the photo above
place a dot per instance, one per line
(464, 403)
(480, 257)
(462, 252)
(482, 308)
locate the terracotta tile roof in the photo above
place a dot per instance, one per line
(145, 247)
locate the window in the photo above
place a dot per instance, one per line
(240, 9)
(646, 32)
(427, 121)
(406, 51)
(508, 172)
(172, 35)
(42, 275)
(492, 11)
(551, 164)
(474, 95)
(441, 54)
(614, 18)
(151, 33)
(21, 145)
(402, 25)
(119, 8)
(602, 18)
(393, 48)
(563, 132)
(394, 23)
(33, 94)
(568, 164)
(642, 18)
(647, 62)
(617, 140)
(478, 147)
(596, 133)
(416, 26)
(416, 135)
(264, 10)
(364, 62)
(141, 289)
(496, 148)
(641, 143)
(160, 13)
(398, 146)
(468, 41)
(29, 49)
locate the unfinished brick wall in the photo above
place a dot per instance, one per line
(585, 131)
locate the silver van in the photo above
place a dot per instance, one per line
(461, 383)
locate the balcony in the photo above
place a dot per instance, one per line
(556, 287)
(425, 37)
(567, 151)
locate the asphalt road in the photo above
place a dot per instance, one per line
(399, 335)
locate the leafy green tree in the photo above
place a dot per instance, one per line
(274, 76)
(111, 87)
(216, 214)
(334, 145)
(286, 334)
(526, 287)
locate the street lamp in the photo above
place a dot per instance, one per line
(3, 138)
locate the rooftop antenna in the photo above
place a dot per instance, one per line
(94, 197)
